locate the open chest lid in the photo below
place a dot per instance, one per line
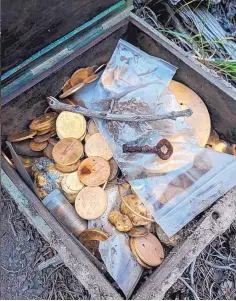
(30, 26)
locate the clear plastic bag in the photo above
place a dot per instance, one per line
(177, 189)
(120, 262)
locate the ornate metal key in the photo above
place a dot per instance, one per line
(151, 149)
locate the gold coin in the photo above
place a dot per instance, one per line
(43, 121)
(114, 169)
(138, 232)
(71, 90)
(79, 76)
(87, 136)
(100, 68)
(53, 133)
(92, 128)
(22, 135)
(91, 202)
(93, 247)
(133, 250)
(66, 189)
(90, 70)
(46, 128)
(107, 78)
(97, 146)
(8, 160)
(42, 138)
(90, 78)
(37, 147)
(39, 133)
(70, 125)
(67, 151)
(53, 141)
(68, 102)
(94, 171)
(72, 181)
(93, 234)
(200, 119)
(149, 249)
(66, 86)
(47, 152)
(68, 168)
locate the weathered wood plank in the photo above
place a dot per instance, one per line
(217, 220)
(29, 27)
(81, 266)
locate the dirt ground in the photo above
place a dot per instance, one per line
(211, 276)
(22, 250)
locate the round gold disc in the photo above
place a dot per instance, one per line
(68, 101)
(37, 147)
(70, 125)
(66, 86)
(114, 169)
(90, 70)
(7, 159)
(67, 168)
(97, 146)
(92, 128)
(90, 78)
(22, 135)
(43, 121)
(66, 189)
(43, 132)
(53, 141)
(87, 136)
(72, 181)
(200, 119)
(94, 171)
(42, 138)
(133, 250)
(93, 234)
(149, 249)
(71, 90)
(91, 202)
(47, 152)
(79, 76)
(67, 151)
(100, 68)
(138, 232)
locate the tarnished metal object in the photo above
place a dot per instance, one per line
(138, 232)
(151, 149)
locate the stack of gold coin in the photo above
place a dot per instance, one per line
(79, 79)
(40, 131)
(71, 183)
(44, 124)
(22, 135)
(147, 250)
